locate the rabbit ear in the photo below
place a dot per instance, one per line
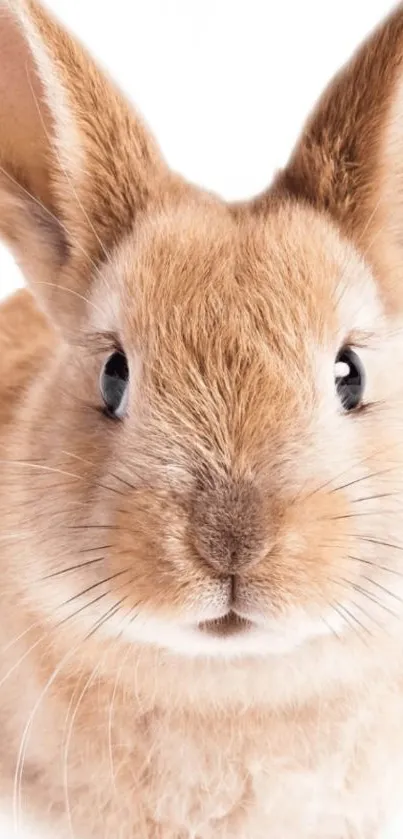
(76, 164)
(349, 161)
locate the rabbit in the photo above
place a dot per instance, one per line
(201, 445)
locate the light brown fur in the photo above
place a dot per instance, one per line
(233, 474)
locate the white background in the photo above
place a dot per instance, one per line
(225, 84)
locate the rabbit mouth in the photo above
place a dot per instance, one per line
(229, 624)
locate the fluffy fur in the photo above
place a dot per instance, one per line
(235, 478)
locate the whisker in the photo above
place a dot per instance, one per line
(73, 568)
(330, 628)
(5, 537)
(355, 480)
(94, 527)
(366, 594)
(68, 290)
(16, 665)
(96, 585)
(65, 769)
(367, 614)
(360, 515)
(375, 565)
(24, 740)
(110, 714)
(374, 238)
(96, 548)
(82, 608)
(91, 603)
(380, 542)
(363, 477)
(3, 650)
(338, 608)
(25, 735)
(382, 588)
(353, 618)
(117, 477)
(62, 227)
(109, 614)
(41, 467)
(53, 469)
(66, 749)
(367, 226)
(375, 497)
(98, 624)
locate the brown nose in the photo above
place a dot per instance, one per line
(228, 525)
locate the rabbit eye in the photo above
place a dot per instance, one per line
(349, 378)
(114, 383)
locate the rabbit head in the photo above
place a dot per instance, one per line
(211, 458)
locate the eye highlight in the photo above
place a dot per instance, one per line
(114, 384)
(349, 378)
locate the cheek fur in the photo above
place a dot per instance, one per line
(167, 580)
(300, 571)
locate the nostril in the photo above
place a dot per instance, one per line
(228, 527)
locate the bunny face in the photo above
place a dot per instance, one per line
(209, 482)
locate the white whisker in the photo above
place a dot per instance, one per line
(5, 537)
(88, 683)
(16, 665)
(17, 809)
(55, 218)
(110, 717)
(3, 650)
(71, 291)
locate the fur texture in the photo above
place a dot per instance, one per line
(133, 703)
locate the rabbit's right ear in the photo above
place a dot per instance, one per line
(76, 164)
(349, 161)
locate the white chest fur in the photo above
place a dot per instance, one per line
(394, 830)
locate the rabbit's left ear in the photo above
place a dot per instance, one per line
(349, 161)
(76, 163)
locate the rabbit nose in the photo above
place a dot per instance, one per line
(228, 525)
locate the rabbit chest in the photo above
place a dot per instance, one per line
(117, 772)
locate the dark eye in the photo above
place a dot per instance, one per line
(350, 378)
(114, 383)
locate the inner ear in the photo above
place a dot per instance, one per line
(32, 231)
(26, 122)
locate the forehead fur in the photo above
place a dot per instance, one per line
(235, 278)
